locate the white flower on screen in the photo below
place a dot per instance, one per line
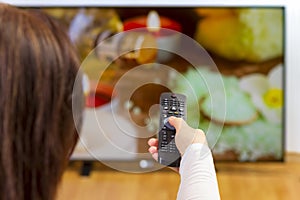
(266, 92)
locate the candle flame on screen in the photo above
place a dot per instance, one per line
(153, 21)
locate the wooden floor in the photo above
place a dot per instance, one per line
(255, 181)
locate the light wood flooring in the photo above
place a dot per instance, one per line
(245, 181)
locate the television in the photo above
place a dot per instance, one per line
(230, 59)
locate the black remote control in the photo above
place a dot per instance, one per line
(170, 105)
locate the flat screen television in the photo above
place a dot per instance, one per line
(228, 59)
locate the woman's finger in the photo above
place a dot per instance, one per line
(153, 142)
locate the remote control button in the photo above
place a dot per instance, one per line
(173, 108)
(164, 149)
(173, 96)
(168, 125)
(166, 108)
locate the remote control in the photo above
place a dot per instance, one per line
(170, 105)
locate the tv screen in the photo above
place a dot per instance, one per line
(228, 61)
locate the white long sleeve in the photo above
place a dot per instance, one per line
(198, 176)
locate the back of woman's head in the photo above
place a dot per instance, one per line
(38, 67)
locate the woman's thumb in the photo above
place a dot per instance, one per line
(176, 122)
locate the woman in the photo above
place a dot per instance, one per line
(38, 67)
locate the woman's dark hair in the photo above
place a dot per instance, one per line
(38, 68)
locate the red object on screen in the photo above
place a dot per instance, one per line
(141, 22)
(101, 96)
